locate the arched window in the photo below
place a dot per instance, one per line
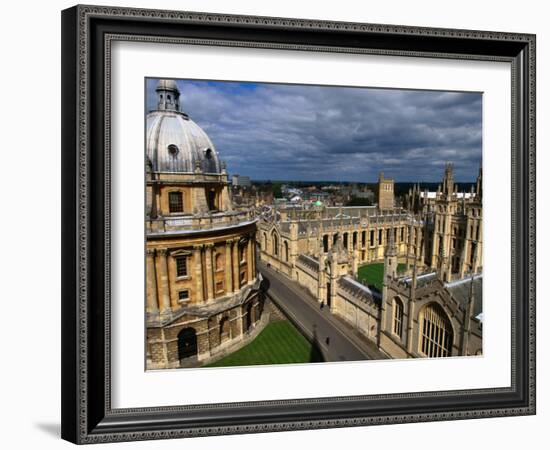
(265, 242)
(286, 251)
(242, 252)
(436, 332)
(248, 322)
(187, 343)
(397, 317)
(325, 243)
(275, 244)
(175, 202)
(225, 332)
(211, 199)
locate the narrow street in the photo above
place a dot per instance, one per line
(319, 324)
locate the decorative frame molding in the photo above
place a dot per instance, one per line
(87, 34)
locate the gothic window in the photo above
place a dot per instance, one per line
(436, 333)
(325, 243)
(402, 234)
(286, 251)
(398, 317)
(175, 202)
(275, 243)
(379, 237)
(363, 238)
(345, 240)
(371, 240)
(181, 266)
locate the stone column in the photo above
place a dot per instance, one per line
(209, 275)
(152, 300)
(197, 254)
(253, 254)
(164, 284)
(236, 265)
(228, 267)
(410, 328)
(249, 255)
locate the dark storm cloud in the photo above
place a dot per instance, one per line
(271, 131)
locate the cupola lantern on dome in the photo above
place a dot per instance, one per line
(168, 95)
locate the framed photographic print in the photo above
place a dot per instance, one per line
(280, 224)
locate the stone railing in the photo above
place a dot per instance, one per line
(197, 222)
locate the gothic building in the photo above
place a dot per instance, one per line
(456, 226)
(385, 192)
(431, 309)
(201, 279)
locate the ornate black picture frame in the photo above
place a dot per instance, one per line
(87, 35)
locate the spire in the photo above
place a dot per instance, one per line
(479, 185)
(168, 95)
(441, 259)
(448, 180)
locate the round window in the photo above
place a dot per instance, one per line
(173, 149)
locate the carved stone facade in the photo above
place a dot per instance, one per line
(433, 309)
(203, 294)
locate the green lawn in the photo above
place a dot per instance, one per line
(373, 274)
(279, 343)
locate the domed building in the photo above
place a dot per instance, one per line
(203, 297)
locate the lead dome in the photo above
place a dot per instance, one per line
(175, 143)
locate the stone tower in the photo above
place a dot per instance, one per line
(385, 192)
(390, 258)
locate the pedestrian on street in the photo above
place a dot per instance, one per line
(327, 340)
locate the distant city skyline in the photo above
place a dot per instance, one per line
(284, 132)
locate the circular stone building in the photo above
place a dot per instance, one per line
(203, 297)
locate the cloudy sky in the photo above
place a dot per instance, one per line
(297, 132)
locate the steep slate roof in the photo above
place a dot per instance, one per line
(358, 290)
(460, 290)
(309, 261)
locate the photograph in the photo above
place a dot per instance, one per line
(299, 224)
